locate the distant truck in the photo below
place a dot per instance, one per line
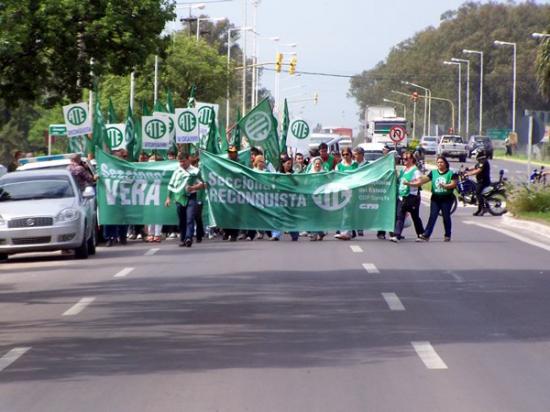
(379, 120)
(453, 146)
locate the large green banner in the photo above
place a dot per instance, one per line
(241, 198)
(134, 193)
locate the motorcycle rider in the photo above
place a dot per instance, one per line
(482, 172)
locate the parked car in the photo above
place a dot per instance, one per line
(480, 141)
(429, 144)
(372, 151)
(453, 146)
(44, 210)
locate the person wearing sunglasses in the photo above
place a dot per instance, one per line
(408, 198)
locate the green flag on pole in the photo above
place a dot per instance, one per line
(284, 132)
(236, 132)
(130, 136)
(212, 139)
(111, 113)
(260, 127)
(191, 101)
(99, 130)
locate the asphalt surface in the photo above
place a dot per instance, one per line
(363, 325)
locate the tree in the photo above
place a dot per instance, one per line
(473, 26)
(47, 46)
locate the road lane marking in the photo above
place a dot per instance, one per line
(393, 301)
(152, 251)
(428, 355)
(123, 273)
(356, 249)
(456, 276)
(79, 306)
(12, 356)
(511, 234)
(370, 268)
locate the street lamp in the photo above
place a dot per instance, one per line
(198, 6)
(212, 19)
(414, 110)
(399, 103)
(255, 69)
(228, 64)
(514, 45)
(467, 51)
(459, 90)
(454, 59)
(427, 104)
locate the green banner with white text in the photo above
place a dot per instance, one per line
(241, 198)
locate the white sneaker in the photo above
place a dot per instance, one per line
(394, 239)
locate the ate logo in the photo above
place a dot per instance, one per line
(332, 196)
(206, 114)
(115, 136)
(76, 115)
(300, 129)
(258, 126)
(155, 129)
(187, 122)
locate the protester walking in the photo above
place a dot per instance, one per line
(316, 167)
(408, 200)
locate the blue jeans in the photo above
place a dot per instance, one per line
(186, 217)
(115, 231)
(443, 204)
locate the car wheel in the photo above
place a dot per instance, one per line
(82, 251)
(3, 256)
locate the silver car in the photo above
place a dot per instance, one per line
(44, 210)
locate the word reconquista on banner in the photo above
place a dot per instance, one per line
(132, 187)
(242, 190)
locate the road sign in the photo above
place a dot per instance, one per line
(397, 133)
(57, 130)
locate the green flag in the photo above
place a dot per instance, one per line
(191, 101)
(130, 136)
(170, 108)
(236, 132)
(284, 132)
(260, 127)
(212, 139)
(99, 130)
(111, 113)
(223, 141)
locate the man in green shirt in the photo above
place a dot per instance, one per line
(182, 189)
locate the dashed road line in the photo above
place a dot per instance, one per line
(511, 234)
(79, 306)
(428, 355)
(123, 273)
(12, 356)
(356, 249)
(393, 301)
(370, 268)
(151, 251)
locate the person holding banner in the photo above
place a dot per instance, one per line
(316, 167)
(182, 189)
(346, 165)
(287, 169)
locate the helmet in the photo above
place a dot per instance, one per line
(481, 154)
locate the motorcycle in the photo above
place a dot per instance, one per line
(538, 176)
(494, 194)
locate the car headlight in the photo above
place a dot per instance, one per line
(67, 215)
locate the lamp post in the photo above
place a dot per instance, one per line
(228, 65)
(427, 105)
(212, 19)
(255, 71)
(399, 103)
(414, 110)
(514, 45)
(198, 6)
(459, 90)
(454, 59)
(467, 51)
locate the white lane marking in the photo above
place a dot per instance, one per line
(370, 268)
(123, 273)
(12, 356)
(35, 265)
(428, 355)
(152, 251)
(356, 249)
(79, 306)
(393, 301)
(511, 234)
(456, 276)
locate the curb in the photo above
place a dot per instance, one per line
(539, 228)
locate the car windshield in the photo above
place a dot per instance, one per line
(370, 156)
(52, 188)
(452, 139)
(429, 139)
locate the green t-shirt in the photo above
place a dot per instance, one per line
(407, 176)
(441, 178)
(341, 167)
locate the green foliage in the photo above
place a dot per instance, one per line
(46, 46)
(532, 198)
(473, 26)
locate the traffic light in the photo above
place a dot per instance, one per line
(315, 98)
(414, 96)
(292, 67)
(278, 62)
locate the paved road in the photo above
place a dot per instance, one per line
(365, 325)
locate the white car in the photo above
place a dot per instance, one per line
(44, 210)
(429, 144)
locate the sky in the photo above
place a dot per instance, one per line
(341, 37)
